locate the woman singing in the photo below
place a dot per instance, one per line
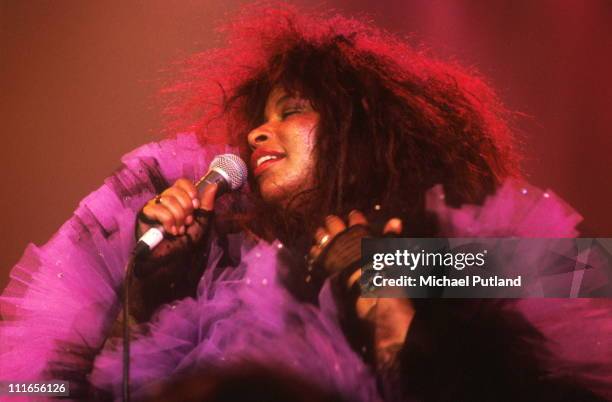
(347, 133)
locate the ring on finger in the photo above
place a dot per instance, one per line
(157, 199)
(323, 241)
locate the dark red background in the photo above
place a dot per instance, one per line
(79, 79)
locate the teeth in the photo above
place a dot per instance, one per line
(265, 158)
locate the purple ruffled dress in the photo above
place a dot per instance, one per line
(65, 293)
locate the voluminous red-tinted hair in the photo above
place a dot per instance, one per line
(393, 121)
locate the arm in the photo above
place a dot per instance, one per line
(442, 350)
(376, 327)
(173, 269)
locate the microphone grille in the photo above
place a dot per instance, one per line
(234, 168)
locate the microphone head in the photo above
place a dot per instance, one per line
(232, 167)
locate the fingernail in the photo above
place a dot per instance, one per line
(189, 220)
(174, 231)
(182, 230)
(196, 203)
(395, 223)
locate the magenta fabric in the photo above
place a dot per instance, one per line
(67, 289)
(66, 292)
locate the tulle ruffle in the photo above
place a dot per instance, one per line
(517, 209)
(579, 331)
(66, 292)
(246, 316)
(243, 316)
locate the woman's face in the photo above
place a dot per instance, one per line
(282, 159)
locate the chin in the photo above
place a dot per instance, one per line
(273, 194)
(273, 199)
(280, 193)
(279, 196)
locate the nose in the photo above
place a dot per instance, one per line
(258, 136)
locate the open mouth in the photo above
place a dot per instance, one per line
(262, 161)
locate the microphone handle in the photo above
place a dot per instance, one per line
(214, 176)
(155, 235)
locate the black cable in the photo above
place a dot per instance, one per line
(129, 269)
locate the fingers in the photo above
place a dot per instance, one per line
(334, 225)
(161, 214)
(322, 237)
(393, 226)
(207, 200)
(188, 187)
(356, 218)
(178, 213)
(173, 208)
(314, 252)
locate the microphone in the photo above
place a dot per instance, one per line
(228, 171)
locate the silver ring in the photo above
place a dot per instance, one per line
(157, 199)
(324, 240)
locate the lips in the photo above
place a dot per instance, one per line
(262, 159)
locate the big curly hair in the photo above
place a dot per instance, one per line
(393, 121)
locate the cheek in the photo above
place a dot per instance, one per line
(298, 139)
(302, 155)
(304, 137)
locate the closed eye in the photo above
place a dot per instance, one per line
(289, 112)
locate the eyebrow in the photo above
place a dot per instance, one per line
(282, 99)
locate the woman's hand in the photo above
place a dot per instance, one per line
(335, 225)
(177, 210)
(388, 318)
